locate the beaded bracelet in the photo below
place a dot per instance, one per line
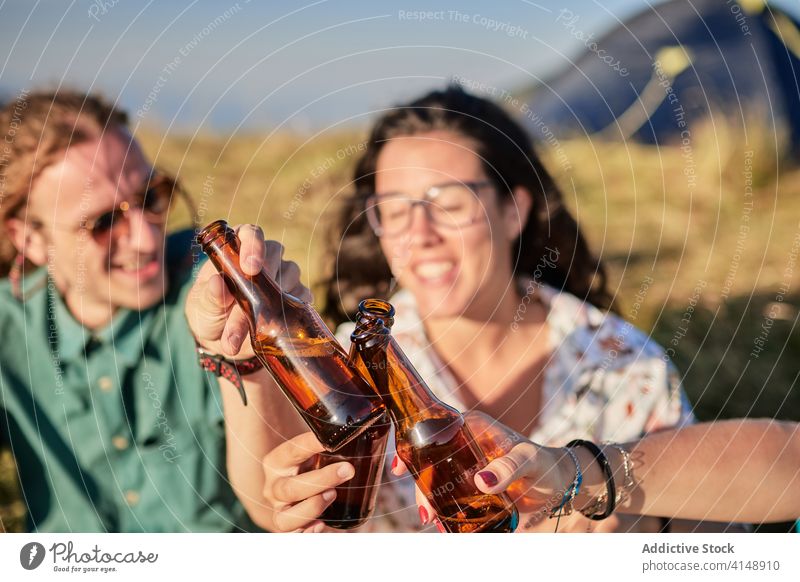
(609, 499)
(565, 507)
(231, 370)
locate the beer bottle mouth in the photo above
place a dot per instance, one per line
(375, 318)
(376, 308)
(214, 231)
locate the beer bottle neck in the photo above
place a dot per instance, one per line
(254, 294)
(405, 393)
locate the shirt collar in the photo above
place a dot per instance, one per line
(125, 333)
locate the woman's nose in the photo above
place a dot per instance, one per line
(421, 229)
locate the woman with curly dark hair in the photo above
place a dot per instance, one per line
(500, 304)
(547, 244)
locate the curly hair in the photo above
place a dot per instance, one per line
(509, 160)
(35, 129)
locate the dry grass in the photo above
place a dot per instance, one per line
(285, 183)
(639, 210)
(647, 219)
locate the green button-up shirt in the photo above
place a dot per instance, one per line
(117, 429)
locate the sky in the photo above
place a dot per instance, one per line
(233, 65)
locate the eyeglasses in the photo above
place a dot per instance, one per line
(451, 205)
(153, 201)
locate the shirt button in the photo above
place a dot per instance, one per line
(105, 383)
(120, 443)
(132, 497)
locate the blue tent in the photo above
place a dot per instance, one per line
(675, 64)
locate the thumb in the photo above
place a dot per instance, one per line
(208, 309)
(498, 475)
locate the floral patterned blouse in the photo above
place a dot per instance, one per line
(605, 381)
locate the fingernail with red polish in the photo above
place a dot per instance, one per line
(423, 515)
(394, 464)
(439, 526)
(488, 477)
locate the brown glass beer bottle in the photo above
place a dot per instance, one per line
(296, 346)
(432, 438)
(355, 499)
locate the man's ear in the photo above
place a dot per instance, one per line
(516, 212)
(28, 240)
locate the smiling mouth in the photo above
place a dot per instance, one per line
(434, 271)
(144, 267)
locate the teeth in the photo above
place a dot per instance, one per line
(134, 265)
(433, 270)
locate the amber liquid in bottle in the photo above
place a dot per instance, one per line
(355, 499)
(432, 438)
(493, 437)
(495, 440)
(296, 347)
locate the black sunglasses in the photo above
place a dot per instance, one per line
(154, 202)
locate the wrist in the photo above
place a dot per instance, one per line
(566, 496)
(594, 483)
(603, 506)
(230, 370)
(565, 473)
(215, 351)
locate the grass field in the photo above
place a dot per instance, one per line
(701, 243)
